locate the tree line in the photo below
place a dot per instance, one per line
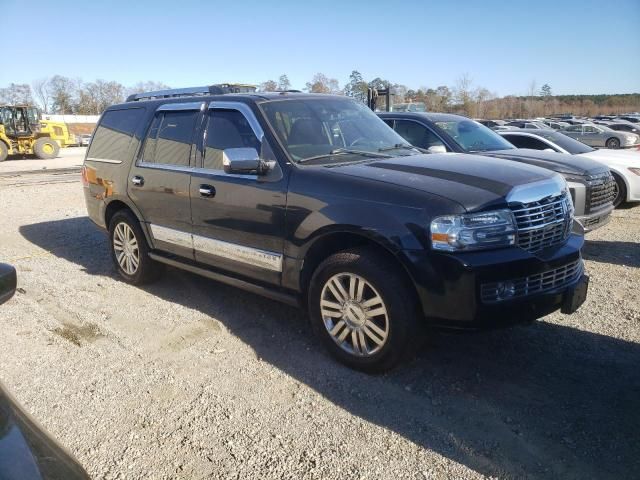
(63, 95)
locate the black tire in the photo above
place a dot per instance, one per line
(613, 143)
(621, 191)
(4, 152)
(147, 270)
(391, 285)
(46, 148)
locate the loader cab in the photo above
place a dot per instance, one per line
(20, 121)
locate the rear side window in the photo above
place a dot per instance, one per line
(226, 129)
(169, 138)
(113, 136)
(417, 135)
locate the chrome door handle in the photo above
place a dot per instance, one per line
(137, 180)
(207, 191)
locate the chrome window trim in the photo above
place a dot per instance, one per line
(222, 173)
(172, 107)
(103, 160)
(212, 246)
(165, 166)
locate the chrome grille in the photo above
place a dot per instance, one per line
(537, 283)
(543, 223)
(603, 191)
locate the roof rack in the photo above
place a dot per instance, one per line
(217, 89)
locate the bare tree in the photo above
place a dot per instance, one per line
(95, 97)
(62, 91)
(41, 91)
(148, 86)
(284, 83)
(16, 93)
(463, 95)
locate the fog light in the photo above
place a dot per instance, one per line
(505, 290)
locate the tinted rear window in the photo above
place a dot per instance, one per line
(113, 136)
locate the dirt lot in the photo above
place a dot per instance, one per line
(191, 379)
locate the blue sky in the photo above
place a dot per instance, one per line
(577, 46)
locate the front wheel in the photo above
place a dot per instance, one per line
(613, 143)
(129, 249)
(4, 152)
(363, 309)
(46, 148)
(620, 191)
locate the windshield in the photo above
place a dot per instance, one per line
(473, 136)
(331, 130)
(572, 146)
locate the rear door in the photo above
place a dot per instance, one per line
(160, 178)
(591, 136)
(238, 219)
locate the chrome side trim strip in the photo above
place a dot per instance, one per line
(219, 248)
(103, 160)
(170, 235)
(239, 253)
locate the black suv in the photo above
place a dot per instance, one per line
(313, 200)
(590, 182)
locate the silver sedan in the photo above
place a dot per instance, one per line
(601, 136)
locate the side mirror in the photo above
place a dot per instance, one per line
(8, 282)
(243, 161)
(437, 149)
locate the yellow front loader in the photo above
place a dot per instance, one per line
(22, 133)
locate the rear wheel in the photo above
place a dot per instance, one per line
(4, 152)
(129, 249)
(613, 143)
(46, 148)
(363, 310)
(621, 191)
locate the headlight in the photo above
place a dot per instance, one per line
(631, 140)
(635, 170)
(473, 231)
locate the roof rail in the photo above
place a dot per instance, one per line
(217, 89)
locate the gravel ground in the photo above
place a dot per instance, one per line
(188, 378)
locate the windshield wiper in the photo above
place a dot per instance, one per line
(344, 151)
(403, 146)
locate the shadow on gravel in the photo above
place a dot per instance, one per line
(541, 401)
(615, 253)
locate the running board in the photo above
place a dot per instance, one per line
(271, 293)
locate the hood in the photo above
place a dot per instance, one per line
(628, 158)
(473, 181)
(558, 162)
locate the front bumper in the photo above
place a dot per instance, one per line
(450, 285)
(587, 223)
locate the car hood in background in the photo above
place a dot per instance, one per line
(558, 162)
(27, 452)
(628, 158)
(474, 181)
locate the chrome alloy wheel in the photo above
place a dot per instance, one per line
(125, 246)
(354, 314)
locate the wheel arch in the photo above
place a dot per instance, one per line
(118, 204)
(338, 240)
(617, 174)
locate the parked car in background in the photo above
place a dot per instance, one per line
(530, 124)
(27, 452)
(454, 133)
(624, 164)
(409, 107)
(625, 127)
(601, 136)
(85, 140)
(556, 124)
(492, 123)
(312, 200)
(630, 118)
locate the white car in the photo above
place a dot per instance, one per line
(624, 164)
